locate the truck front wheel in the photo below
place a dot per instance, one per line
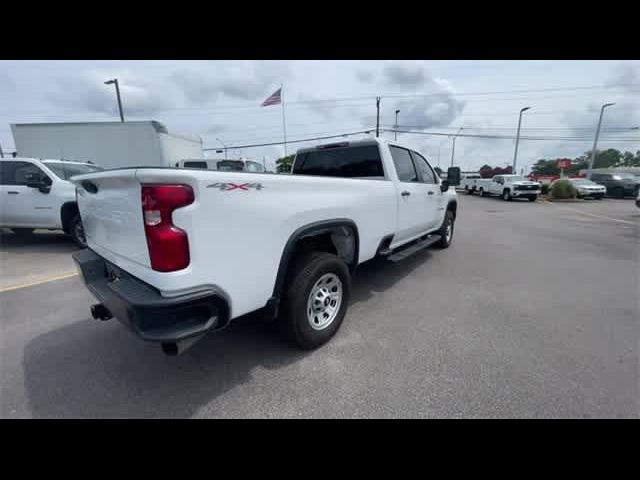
(446, 230)
(506, 195)
(316, 300)
(77, 232)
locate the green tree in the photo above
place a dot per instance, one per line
(283, 165)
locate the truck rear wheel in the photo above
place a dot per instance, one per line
(316, 300)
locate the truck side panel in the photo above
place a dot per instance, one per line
(239, 225)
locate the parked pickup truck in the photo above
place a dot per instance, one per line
(509, 187)
(469, 182)
(175, 253)
(37, 194)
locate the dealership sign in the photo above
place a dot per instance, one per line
(564, 163)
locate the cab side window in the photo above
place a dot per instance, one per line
(404, 165)
(19, 173)
(424, 169)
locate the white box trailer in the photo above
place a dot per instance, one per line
(107, 144)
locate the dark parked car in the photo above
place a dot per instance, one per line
(618, 184)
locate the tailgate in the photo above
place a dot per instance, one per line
(110, 206)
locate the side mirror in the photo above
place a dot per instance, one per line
(453, 176)
(444, 186)
(39, 184)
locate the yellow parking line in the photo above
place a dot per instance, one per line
(38, 282)
(598, 216)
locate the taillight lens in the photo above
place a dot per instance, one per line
(168, 244)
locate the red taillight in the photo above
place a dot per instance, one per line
(168, 245)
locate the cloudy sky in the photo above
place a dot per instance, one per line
(221, 99)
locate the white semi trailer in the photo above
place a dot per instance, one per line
(107, 144)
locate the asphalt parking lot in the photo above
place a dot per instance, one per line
(532, 312)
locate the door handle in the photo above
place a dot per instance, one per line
(13, 193)
(429, 192)
(405, 193)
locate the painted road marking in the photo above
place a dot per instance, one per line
(38, 282)
(593, 214)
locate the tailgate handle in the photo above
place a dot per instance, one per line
(13, 192)
(430, 192)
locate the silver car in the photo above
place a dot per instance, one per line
(587, 189)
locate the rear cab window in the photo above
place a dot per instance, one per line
(202, 165)
(359, 161)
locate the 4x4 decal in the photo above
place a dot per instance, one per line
(235, 186)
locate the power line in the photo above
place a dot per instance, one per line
(509, 137)
(290, 141)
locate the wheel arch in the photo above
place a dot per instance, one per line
(339, 236)
(68, 211)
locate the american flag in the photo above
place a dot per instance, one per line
(274, 99)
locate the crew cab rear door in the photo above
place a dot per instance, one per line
(413, 218)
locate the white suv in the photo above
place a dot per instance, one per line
(37, 194)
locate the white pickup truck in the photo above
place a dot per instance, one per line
(508, 187)
(469, 182)
(175, 253)
(37, 194)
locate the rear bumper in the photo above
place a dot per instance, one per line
(141, 308)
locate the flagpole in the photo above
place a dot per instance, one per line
(284, 123)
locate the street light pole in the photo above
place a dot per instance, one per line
(515, 153)
(453, 148)
(225, 148)
(595, 140)
(396, 136)
(115, 82)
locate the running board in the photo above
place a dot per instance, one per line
(404, 252)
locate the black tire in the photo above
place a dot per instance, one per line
(445, 240)
(294, 320)
(533, 198)
(482, 192)
(599, 197)
(76, 230)
(506, 195)
(23, 232)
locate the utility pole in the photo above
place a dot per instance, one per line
(377, 116)
(595, 140)
(453, 149)
(515, 153)
(1, 153)
(396, 136)
(115, 82)
(264, 163)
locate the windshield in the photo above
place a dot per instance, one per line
(516, 178)
(582, 181)
(66, 170)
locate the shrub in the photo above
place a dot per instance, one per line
(563, 189)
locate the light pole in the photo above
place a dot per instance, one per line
(225, 148)
(396, 136)
(515, 153)
(595, 140)
(453, 148)
(115, 82)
